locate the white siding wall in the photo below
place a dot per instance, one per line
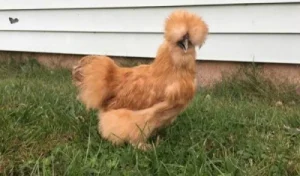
(240, 30)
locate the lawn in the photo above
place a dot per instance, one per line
(248, 127)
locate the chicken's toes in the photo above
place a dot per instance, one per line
(143, 146)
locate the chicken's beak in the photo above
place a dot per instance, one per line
(185, 45)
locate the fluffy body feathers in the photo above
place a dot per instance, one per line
(135, 127)
(145, 93)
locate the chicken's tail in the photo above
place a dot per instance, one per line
(91, 77)
(181, 23)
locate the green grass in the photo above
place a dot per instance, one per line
(233, 129)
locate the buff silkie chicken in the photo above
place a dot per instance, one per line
(159, 91)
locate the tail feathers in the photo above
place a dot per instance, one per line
(91, 77)
(181, 22)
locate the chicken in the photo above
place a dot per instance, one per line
(160, 90)
(103, 85)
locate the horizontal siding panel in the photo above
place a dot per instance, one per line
(284, 18)
(57, 4)
(280, 48)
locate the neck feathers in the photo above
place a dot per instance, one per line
(170, 58)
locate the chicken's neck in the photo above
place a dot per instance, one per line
(171, 60)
